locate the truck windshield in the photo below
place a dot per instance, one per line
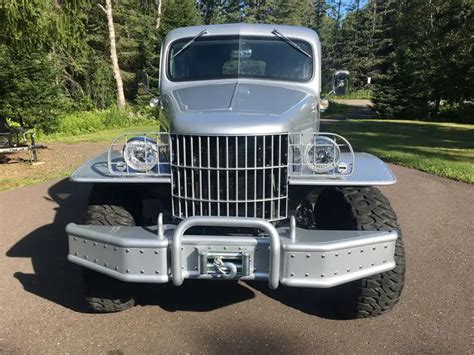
(220, 57)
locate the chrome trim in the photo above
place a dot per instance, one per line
(213, 176)
(298, 167)
(115, 155)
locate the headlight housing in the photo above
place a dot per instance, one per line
(322, 155)
(141, 154)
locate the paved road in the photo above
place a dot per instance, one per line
(354, 102)
(40, 304)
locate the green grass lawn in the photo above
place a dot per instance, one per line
(444, 149)
(100, 136)
(336, 110)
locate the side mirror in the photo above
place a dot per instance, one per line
(339, 83)
(143, 83)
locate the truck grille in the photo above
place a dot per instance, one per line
(240, 176)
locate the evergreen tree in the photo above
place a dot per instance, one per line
(179, 13)
(137, 41)
(214, 11)
(256, 11)
(429, 59)
(30, 93)
(291, 12)
(234, 11)
(33, 41)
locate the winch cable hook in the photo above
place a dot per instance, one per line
(227, 270)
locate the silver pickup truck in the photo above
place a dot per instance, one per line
(244, 186)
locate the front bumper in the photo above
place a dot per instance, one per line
(288, 255)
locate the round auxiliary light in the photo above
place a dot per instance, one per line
(322, 155)
(323, 104)
(141, 154)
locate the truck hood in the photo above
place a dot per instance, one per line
(238, 108)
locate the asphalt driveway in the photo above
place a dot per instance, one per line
(41, 308)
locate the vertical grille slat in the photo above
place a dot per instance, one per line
(209, 196)
(244, 176)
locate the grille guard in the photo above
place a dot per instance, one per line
(288, 255)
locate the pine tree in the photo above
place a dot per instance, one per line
(234, 11)
(33, 37)
(214, 11)
(256, 11)
(137, 41)
(428, 59)
(291, 12)
(179, 13)
(30, 93)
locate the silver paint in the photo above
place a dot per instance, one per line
(285, 259)
(242, 106)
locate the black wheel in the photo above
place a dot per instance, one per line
(106, 295)
(362, 208)
(113, 206)
(109, 207)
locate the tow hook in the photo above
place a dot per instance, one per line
(227, 269)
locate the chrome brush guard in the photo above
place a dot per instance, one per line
(302, 148)
(150, 143)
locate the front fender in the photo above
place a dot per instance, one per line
(369, 171)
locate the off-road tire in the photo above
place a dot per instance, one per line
(362, 208)
(104, 294)
(113, 206)
(108, 215)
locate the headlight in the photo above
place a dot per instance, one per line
(322, 155)
(141, 154)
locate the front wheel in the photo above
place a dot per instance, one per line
(108, 207)
(362, 208)
(104, 294)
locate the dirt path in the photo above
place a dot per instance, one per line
(41, 309)
(58, 161)
(358, 109)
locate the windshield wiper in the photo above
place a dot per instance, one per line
(291, 43)
(202, 33)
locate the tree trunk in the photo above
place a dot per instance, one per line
(338, 14)
(113, 56)
(159, 4)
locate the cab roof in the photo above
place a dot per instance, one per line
(245, 29)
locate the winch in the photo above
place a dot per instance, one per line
(226, 266)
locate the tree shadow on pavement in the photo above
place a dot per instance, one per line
(59, 281)
(54, 278)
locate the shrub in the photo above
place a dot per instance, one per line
(82, 122)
